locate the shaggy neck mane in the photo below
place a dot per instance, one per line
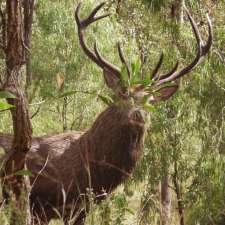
(115, 144)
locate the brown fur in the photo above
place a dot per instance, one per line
(100, 159)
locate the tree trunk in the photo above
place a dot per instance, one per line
(178, 194)
(165, 200)
(118, 6)
(28, 6)
(165, 190)
(177, 11)
(15, 58)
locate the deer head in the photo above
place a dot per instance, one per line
(152, 89)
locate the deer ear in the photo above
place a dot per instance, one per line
(163, 94)
(112, 81)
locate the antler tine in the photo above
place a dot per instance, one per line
(91, 18)
(122, 58)
(159, 64)
(77, 18)
(95, 11)
(105, 63)
(195, 29)
(80, 26)
(94, 56)
(169, 73)
(201, 53)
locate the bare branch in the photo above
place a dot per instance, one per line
(3, 30)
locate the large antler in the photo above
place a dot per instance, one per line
(93, 55)
(202, 51)
(111, 72)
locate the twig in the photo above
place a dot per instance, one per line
(37, 103)
(3, 31)
(221, 55)
(37, 111)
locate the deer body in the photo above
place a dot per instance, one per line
(65, 166)
(99, 159)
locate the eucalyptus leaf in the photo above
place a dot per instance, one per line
(106, 99)
(146, 82)
(6, 94)
(136, 67)
(5, 106)
(24, 173)
(68, 93)
(130, 211)
(124, 77)
(149, 107)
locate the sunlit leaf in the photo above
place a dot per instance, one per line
(66, 94)
(5, 106)
(146, 81)
(106, 99)
(149, 107)
(129, 210)
(136, 68)
(24, 173)
(124, 76)
(6, 94)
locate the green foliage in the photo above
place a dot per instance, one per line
(155, 5)
(24, 173)
(189, 130)
(4, 105)
(6, 94)
(106, 99)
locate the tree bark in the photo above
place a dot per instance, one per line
(118, 6)
(165, 190)
(15, 58)
(178, 194)
(28, 6)
(177, 10)
(165, 199)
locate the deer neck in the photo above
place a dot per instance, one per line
(116, 138)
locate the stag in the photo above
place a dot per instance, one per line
(68, 166)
